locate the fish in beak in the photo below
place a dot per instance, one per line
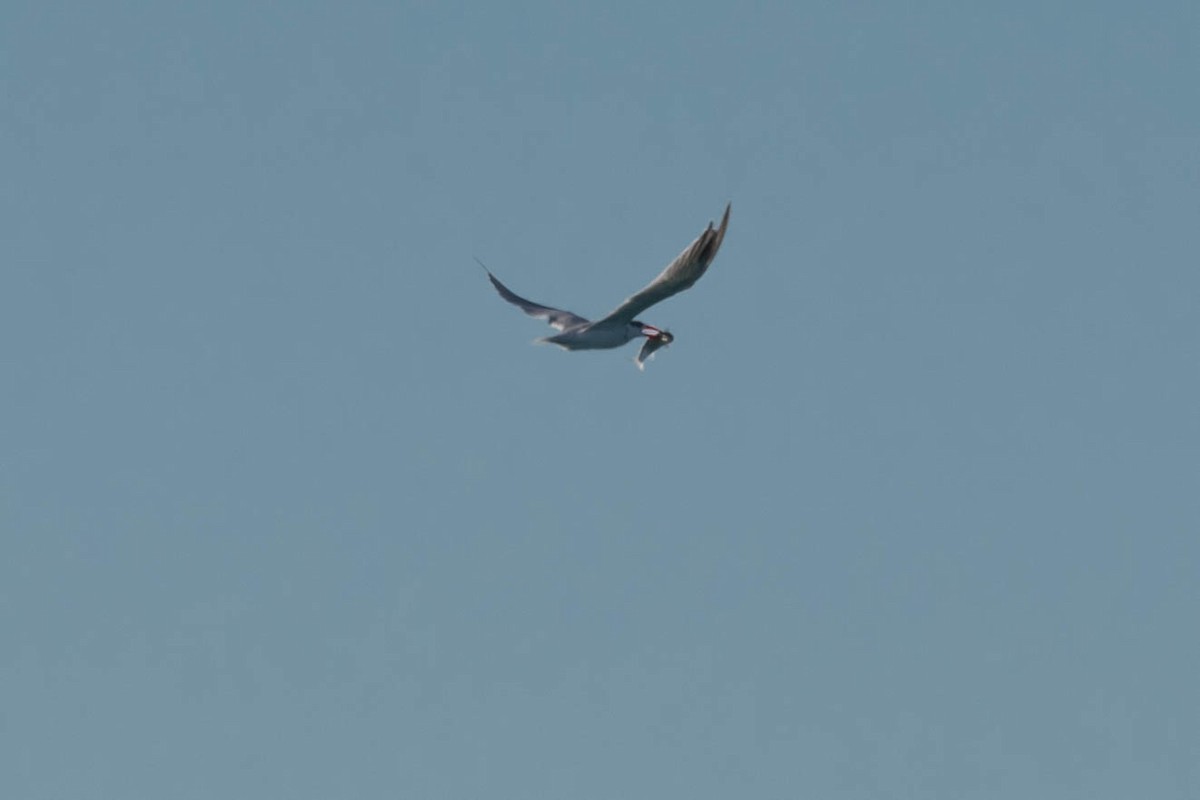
(653, 343)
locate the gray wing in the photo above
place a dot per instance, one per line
(680, 274)
(555, 316)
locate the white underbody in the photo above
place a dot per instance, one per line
(595, 336)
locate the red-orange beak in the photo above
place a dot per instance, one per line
(651, 332)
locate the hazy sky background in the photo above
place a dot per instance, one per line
(290, 508)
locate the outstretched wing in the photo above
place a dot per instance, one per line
(680, 274)
(555, 316)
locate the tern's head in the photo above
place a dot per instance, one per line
(651, 332)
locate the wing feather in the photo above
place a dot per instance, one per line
(680, 274)
(558, 318)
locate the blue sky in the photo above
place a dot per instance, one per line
(290, 508)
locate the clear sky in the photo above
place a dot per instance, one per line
(290, 508)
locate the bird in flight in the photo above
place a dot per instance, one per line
(620, 327)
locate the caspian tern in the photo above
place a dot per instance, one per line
(620, 327)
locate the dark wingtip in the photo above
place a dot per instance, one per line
(720, 232)
(496, 284)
